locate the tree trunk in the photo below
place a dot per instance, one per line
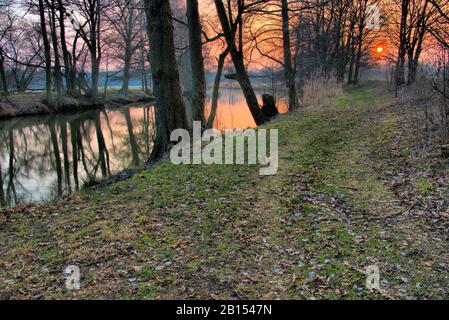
(351, 67)
(128, 52)
(95, 70)
(198, 99)
(247, 88)
(239, 65)
(143, 71)
(412, 71)
(290, 73)
(65, 51)
(170, 107)
(57, 68)
(358, 62)
(95, 48)
(2, 192)
(3, 81)
(400, 64)
(48, 86)
(414, 61)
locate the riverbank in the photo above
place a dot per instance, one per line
(30, 104)
(351, 192)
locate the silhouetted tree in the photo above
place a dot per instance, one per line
(170, 107)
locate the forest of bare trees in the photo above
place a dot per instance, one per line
(69, 45)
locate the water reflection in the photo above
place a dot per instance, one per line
(233, 112)
(45, 157)
(48, 156)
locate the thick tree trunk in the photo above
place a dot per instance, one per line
(47, 49)
(351, 68)
(400, 64)
(290, 73)
(414, 62)
(400, 70)
(170, 107)
(412, 71)
(420, 33)
(358, 62)
(247, 88)
(198, 99)
(95, 70)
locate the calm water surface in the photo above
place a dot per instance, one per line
(44, 157)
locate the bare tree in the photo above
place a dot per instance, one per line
(57, 70)
(198, 98)
(89, 29)
(440, 29)
(23, 49)
(68, 59)
(232, 26)
(170, 107)
(124, 17)
(5, 27)
(279, 14)
(416, 17)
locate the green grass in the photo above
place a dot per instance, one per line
(424, 187)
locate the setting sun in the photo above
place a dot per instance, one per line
(380, 49)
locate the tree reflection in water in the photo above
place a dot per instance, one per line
(48, 156)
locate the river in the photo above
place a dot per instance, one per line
(44, 157)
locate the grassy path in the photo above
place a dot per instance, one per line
(225, 232)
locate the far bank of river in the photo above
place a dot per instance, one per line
(31, 104)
